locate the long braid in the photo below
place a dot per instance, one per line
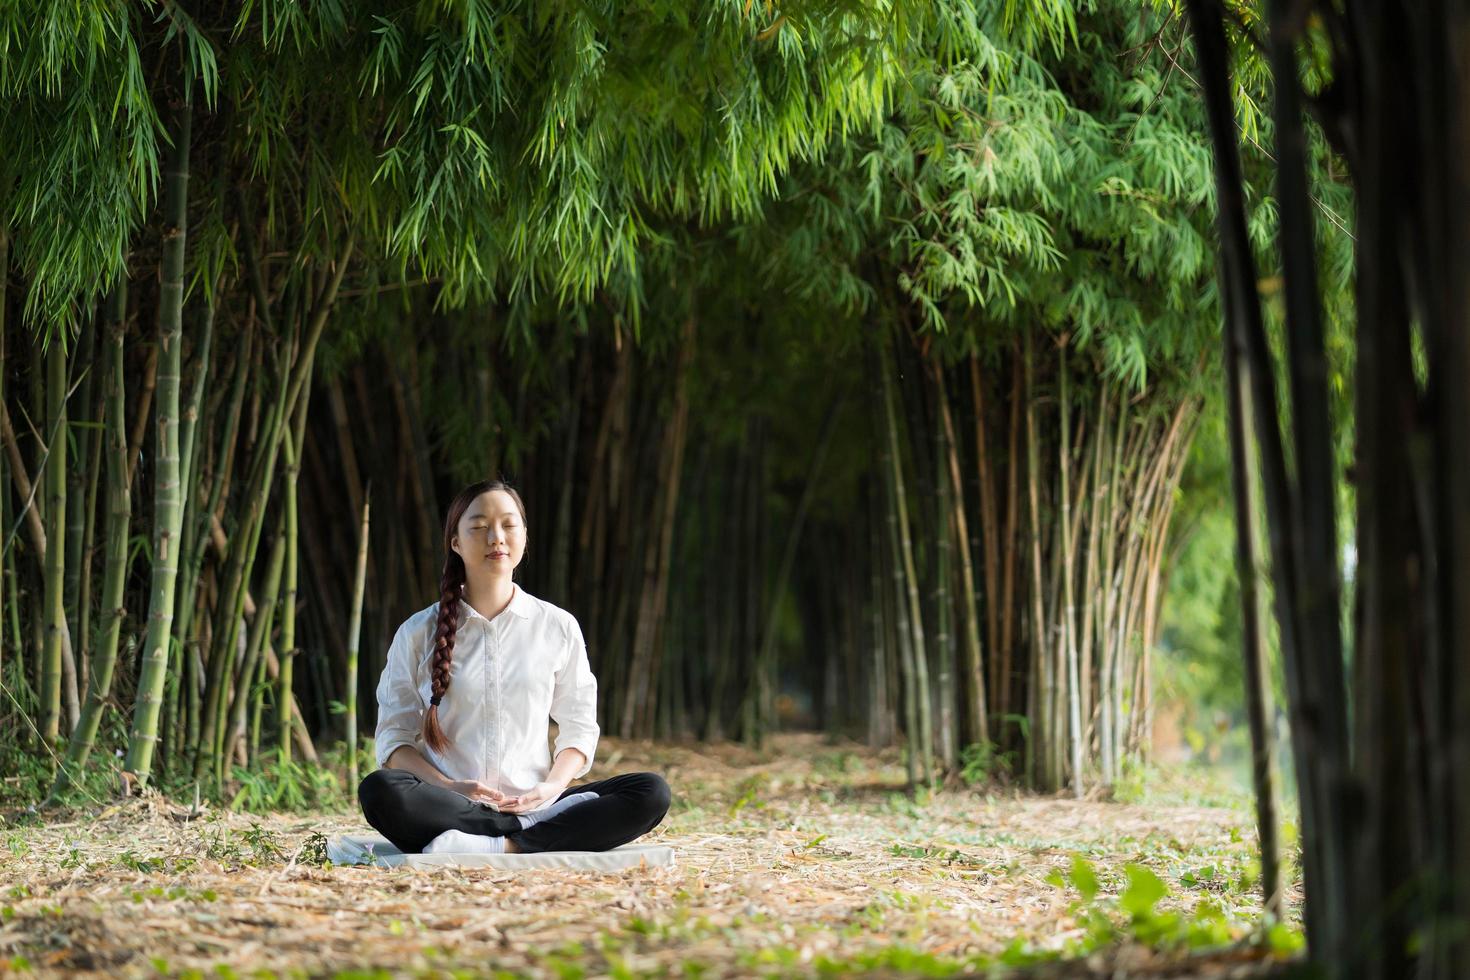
(450, 584)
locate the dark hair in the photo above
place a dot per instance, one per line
(451, 586)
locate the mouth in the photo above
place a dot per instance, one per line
(494, 555)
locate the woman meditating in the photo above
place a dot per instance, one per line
(463, 707)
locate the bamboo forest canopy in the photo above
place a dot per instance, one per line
(848, 355)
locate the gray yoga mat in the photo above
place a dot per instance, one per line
(375, 850)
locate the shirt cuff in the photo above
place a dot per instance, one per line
(586, 744)
(389, 742)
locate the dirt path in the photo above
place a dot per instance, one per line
(807, 857)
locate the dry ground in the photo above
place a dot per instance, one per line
(807, 857)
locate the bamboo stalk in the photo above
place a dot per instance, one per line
(1013, 554)
(637, 706)
(7, 597)
(989, 542)
(944, 528)
(54, 476)
(337, 402)
(1089, 585)
(1043, 683)
(259, 637)
(723, 613)
(142, 410)
(910, 577)
(413, 459)
(79, 437)
(561, 541)
(332, 594)
(896, 607)
(168, 503)
(1314, 674)
(292, 397)
(1069, 578)
(293, 440)
(977, 717)
(876, 669)
(354, 630)
(231, 606)
(31, 516)
(83, 632)
(208, 531)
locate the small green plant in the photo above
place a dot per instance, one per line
(253, 847)
(264, 845)
(748, 791)
(142, 865)
(284, 785)
(1135, 916)
(980, 763)
(835, 763)
(314, 850)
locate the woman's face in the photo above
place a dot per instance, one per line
(492, 534)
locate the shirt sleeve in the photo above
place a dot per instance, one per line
(400, 706)
(574, 702)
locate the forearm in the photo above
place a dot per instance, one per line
(568, 763)
(410, 758)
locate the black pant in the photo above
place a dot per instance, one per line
(411, 812)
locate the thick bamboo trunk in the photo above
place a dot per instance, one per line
(1314, 679)
(168, 500)
(1370, 928)
(1446, 213)
(7, 596)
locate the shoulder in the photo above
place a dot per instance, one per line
(542, 613)
(416, 629)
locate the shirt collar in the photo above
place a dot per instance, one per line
(520, 605)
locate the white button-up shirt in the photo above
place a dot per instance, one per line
(507, 675)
